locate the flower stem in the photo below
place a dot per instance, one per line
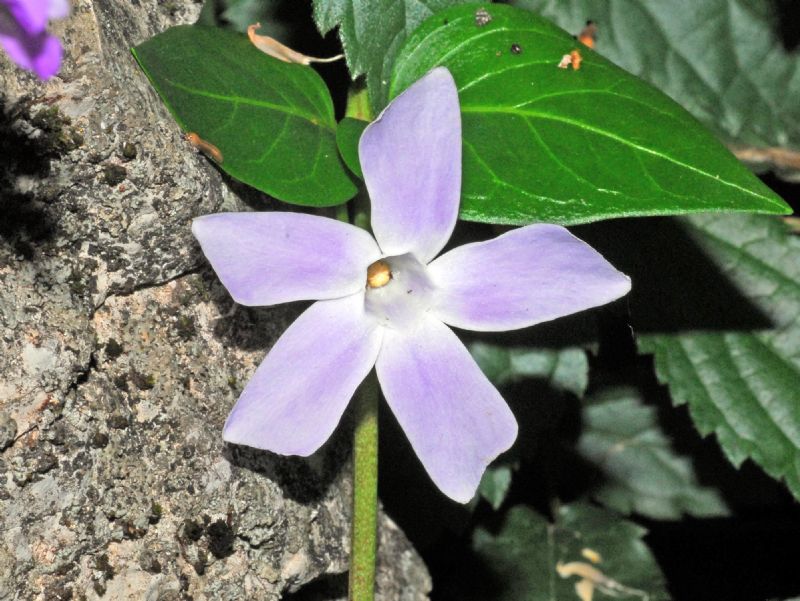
(363, 546)
(343, 213)
(358, 104)
(364, 532)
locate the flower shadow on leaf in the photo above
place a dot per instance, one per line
(787, 15)
(576, 330)
(546, 417)
(676, 286)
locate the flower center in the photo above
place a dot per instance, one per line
(398, 291)
(378, 274)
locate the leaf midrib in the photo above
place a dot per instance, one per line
(601, 132)
(315, 120)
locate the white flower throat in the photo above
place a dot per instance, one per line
(399, 291)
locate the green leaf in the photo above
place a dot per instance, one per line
(272, 121)
(495, 483)
(564, 369)
(621, 435)
(741, 380)
(372, 32)
(723, 60)
(566, 146)
(523, 556)
(347, 136)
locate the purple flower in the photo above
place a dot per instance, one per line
(384, 301)
(24, 37)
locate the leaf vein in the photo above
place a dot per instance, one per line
(313, 119)
(610, 135)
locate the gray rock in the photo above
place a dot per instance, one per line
(8, 430)
(120, 356)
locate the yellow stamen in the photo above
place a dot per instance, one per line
(378, 274)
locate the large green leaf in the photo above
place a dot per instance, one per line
(563, 145)
(372, 32)
(721, 59)
(272, 121)
(523, 557)
(622, 436)
(739, 372)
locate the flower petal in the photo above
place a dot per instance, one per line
(40, 53)
(411, 159)
(31, 15)
(524, 277)
(58, 9)
(270, 258)
(298, 394)
(456, 420)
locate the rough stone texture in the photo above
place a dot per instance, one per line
(121, 356)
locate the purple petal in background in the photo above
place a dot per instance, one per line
(298, 394)
(40, 54)
(456, 420)
(58, 9)
(31, 15)
(524, 277)
(270, 258)
(411, 158)
(23, 38)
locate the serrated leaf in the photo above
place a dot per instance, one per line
(569, 146)
(348, 133)
(742, 385)
(523, 556)
(272, 121)
(495, 483)
(621, 435)
(372, 32)
(721, 59)
(565, 369)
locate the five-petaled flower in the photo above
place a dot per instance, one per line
(24, 37)
(385, 301)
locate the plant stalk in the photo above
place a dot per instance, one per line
(364, 531)
(363, 544)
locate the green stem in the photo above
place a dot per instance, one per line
(358, 104)
(364, 532)
(343, 213)
(363, 545)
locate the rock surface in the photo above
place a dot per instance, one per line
(121, 356)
